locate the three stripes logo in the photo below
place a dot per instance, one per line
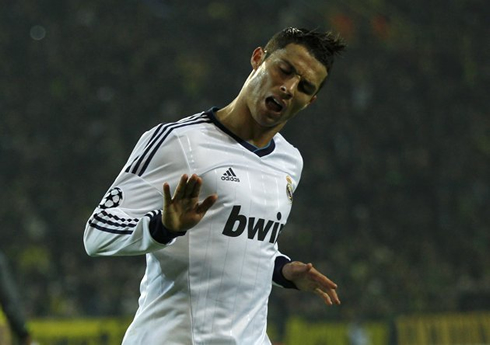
(229, 175)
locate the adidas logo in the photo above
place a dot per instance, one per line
(229, 175)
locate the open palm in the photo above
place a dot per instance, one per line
(183, 210)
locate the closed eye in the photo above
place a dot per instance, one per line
(285, 71)
(305, 86)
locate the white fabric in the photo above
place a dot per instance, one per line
(210, 286)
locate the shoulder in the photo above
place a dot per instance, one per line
(161, 142)
(165, 134)
(164, 130)
(287, 158)
(284, 147)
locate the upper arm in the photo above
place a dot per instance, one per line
(122, 223)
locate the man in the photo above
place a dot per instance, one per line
(11, 306)
(211, 261)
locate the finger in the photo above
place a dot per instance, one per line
(193, 186)
(322, 279)
(330, 296)
(203, 207)
(331, 283)
(181, 187)
(333, 296)
(167, 197)
(326, 298)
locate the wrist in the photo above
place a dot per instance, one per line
(278, 276)
(160, 232)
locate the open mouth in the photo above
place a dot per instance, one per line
(273, 104)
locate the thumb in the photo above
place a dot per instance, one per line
(206, 204)
(303, 268)
(295, 269)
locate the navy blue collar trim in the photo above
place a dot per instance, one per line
(261, 152)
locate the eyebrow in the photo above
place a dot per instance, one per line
(311, 88)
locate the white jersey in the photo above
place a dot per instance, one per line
(211, 285)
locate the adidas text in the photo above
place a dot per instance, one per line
(230, 178)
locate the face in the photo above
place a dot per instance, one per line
(282, 84)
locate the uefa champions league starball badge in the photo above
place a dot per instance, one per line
(289, 188)
(113, 198)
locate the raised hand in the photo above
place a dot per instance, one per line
(183, 210)
(307, 278)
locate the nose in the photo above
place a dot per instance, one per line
(286, 93)
(288, 87)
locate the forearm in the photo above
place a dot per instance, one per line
(109, 234)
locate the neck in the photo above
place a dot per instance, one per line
(237, 118)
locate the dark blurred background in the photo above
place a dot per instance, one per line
(394, 200)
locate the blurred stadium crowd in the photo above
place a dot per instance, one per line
(394, 199)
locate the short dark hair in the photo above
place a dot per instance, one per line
(324, 46)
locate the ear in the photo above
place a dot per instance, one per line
(257, 58)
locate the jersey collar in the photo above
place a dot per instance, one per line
(259, 151)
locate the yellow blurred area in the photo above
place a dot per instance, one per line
(96, 331)
(4, 331)
(471, 328)
(301, 332)
(467, 328)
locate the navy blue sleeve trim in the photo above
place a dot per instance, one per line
(278, 277)
(159, 232)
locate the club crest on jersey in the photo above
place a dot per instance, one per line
(113, 198)
(289, 188)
